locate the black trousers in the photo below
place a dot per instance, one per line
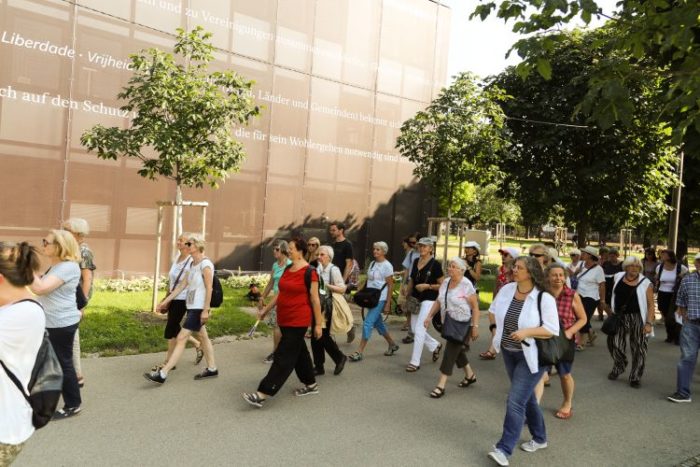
(326, 343)
(590, 306)
(62, 343)
(668, 310)
(176, 311)
(291, 355)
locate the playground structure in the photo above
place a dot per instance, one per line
(626, 241)
(439, 229)
(176, 228)
(561, 239)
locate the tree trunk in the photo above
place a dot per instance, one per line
(582, 228)
(178, 209)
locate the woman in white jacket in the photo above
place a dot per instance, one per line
(523, 312)
(633, 302)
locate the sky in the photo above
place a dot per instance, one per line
(480, 47)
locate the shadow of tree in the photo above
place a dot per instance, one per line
(405, 212)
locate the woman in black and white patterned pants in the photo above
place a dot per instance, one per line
(633, 302)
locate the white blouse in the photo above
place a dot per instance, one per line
(457, 299)
(529, 318)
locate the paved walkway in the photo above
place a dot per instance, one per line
(373, 414)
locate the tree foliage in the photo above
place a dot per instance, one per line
(455, 139)
(603, 177)
(184, 114)
(663, 33)
(487, 206)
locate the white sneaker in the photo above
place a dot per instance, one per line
(532, 446)
(499, 456)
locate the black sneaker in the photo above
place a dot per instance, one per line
(678, 398)
(154, 377)
(270, 358)
(340, 366)
(65, 412)
(207, 373)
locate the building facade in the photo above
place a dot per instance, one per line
(335, 78)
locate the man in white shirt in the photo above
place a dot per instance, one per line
(591, 287)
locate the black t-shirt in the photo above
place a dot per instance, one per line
(467, 272)
(626, 294)
(430, 273)
(342, 251)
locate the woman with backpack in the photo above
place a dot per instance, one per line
(56, 291)
(333, 283)
(668, 277)
(22, 324)
(198, 283)
(633, 303)
(177, 309)
(296, 302)
(380, 275)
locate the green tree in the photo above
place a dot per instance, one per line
(184, 114)
(456, 138)
(596, 175)
(487, 206)
(663, 32)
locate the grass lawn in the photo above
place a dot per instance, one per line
(122, 323)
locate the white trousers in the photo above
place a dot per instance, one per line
(420, 333)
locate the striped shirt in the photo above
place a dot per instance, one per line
(510, 325)
(689, 295)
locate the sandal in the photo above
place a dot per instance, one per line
(356, 357)
(407, 340)
(391, 351)
(436, 353)
(411, 368)
(487, 355)
(155, 368)
(437, 393)
(406, 327)
(564, 415)
(253, 399)
(591, 338)
(198, 355)
(466, 382)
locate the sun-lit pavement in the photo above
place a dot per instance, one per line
(373, 414)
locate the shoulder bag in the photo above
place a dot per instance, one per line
(453, 330)
(555, 349)
(368, 297)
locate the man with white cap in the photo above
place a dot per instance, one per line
(505, 275)
(591, 288)
(688, 303)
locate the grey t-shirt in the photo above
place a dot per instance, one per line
(59, 305)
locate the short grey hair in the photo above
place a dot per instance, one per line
(327, 250)
(76, 225)
(283, 246)
(198, 241)
(631, 261)
(459, 262)
(382, 246)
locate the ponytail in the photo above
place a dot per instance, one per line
(18, 263)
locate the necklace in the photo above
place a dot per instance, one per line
(633, 279)
(524, 293)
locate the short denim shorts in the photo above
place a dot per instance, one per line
(193, 321)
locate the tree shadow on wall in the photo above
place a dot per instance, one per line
(404, 213)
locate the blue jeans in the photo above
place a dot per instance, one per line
(373, 319)
(521, 403)
(690, 343)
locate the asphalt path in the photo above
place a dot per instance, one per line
(374, 413)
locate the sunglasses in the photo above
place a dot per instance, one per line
(44, 242)
(313, 244)
(535, 255)
(188, 243)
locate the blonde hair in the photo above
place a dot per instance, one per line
(67, 248)
(77, 225)
(198, 241)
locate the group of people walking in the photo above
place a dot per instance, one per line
(537, 296)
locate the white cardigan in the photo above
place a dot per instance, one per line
(641, 296)
(529, 318)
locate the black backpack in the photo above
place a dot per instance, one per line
(45, 383)
(217, 293)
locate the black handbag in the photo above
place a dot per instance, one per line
(612, 323)
(368, 297)
(453, 330)
(553, 350)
